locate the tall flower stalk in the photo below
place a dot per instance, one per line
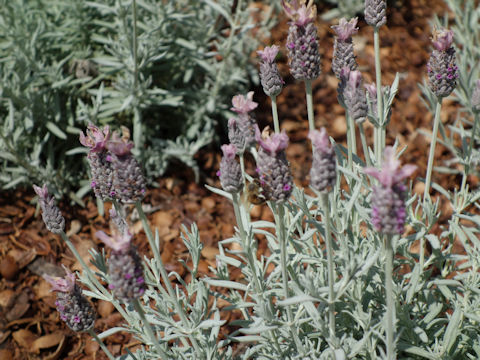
(271, 80)
(388, 218)
(375, 15)
(277, 181)
(322, 179)
(442, 76)
(302, 47)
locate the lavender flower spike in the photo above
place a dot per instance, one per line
(343, 55)
(230, 172)
(273, 166)
(388, 198)
(124, 266)
(441, 67)
(476, 97)
(376, 12)
(302, 40)
(99, 160)
(241, 130)
(74, 308)
(128, 180)
(51, 214)
(270, 78)
(354, 97)
(323, 171)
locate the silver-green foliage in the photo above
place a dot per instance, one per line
(66, 63)
(344, 8)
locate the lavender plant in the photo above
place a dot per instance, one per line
(332, 286)
(75, 63)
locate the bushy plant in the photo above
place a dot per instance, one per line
(163, 68)
(331, 286)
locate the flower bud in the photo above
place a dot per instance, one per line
(74, 308)
(354, 97)
(273, 167)
(100, 161)
(323, 172)
(441, 67)
(270, 78)
(128, 180)
(302, 40)
(230, 172)
(343, 55)
(51, 214)
(388, 198)
(124, 266)
(376, 12)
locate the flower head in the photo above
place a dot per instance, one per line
(271, 143)
(391, 173)
(65, 285)
(42, 192)
(345, 29)
(119, 242)
(96, 139)
(229, 151)
(269, 53)
(442, 39)
(299, 11)
(120, 146)
(371, 90)
(243, 104)
(320, 140)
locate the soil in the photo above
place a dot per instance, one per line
(30, 327)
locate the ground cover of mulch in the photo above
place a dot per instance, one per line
(30, 327)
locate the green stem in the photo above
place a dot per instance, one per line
(391, 348)
(378, 76)
(330, 265)
(102, 345)
(276, 124)
(151, 334)
(308, 91)
(363, 138)
(282, 239)
(349, 141)
(431, 154)
(137, 118)
(164, 275)
(251, 262)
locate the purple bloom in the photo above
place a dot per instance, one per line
(273, 167)
(391, 172)
(388, 198)
(124, 265)
(345, 29)
(442, 39)
(299, 11)
(274, 143)
(323, 171)
(441, 67)
(119, 242)
(269, 53)
(96, 139)
(243, 104)
(73, 307)
(302, 45)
